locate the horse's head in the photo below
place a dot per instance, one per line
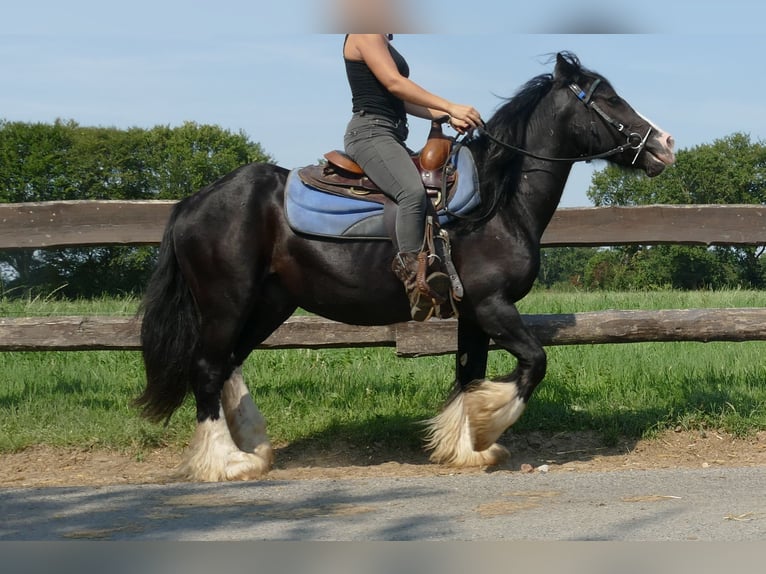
(602, 120)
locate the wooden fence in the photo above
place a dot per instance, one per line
(82, 223)
(85, 223)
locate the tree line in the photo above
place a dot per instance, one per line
(66, 161)
(731, 170)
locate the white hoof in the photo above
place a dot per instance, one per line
(237, 466)
(464, 433)
(491, 407)
(213, 456)
(495, 455)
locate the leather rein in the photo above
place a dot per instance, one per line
(633, 141)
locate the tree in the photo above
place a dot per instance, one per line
(731, 170)
(64, 161)
(564, 265)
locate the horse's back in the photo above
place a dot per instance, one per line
(249, 189)
(261, 178)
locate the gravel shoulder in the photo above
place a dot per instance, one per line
(44, 466)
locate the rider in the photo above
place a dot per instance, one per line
(382, 96)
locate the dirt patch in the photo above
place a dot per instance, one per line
(532, 452)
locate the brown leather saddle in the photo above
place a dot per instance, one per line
(341, 175)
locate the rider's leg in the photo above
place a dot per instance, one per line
(377, 145)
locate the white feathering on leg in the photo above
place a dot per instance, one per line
(212, 456)
(246, 423)
(491, 407)
(464, 433)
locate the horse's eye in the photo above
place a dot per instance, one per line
(614, 100)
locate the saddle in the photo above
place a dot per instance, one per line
(350, 212)
(342, 176)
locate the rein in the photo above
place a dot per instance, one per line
(634, 140)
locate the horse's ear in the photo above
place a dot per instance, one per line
(565, 69)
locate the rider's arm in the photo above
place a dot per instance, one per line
(459, 126)
(373, 49)
(425, 113)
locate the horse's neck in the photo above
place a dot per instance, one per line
(534, 195)
(541, 183)
(537, 194)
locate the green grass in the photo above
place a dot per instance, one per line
(52, 307)
(369, 396)
(542, 301)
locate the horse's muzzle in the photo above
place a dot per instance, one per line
(658, 153)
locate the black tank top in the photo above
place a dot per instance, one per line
(368, 94)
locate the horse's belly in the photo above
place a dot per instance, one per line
(368, 302)
(359, 311)
(351, 282)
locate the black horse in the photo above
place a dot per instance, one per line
(231, 271)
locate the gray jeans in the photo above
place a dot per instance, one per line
(376, 143)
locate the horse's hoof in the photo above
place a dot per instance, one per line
(464, 433)
(237, 465)
(495, 455)
(246, 466)
(490, 407)
(213, 456)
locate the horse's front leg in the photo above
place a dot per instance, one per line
(472, 353)
(480, 410)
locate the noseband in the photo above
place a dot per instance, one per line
(633, 141)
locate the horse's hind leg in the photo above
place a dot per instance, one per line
(232, 446)
(235, 445)
(246, 423)
(213, 455)
(216, 451)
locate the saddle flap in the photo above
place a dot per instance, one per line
(338, 181)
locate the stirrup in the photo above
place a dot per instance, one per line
(423, 306)
(424, 292)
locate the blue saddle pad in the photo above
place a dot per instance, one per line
(316, 212)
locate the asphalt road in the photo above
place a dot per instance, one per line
(713, 504)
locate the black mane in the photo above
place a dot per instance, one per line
(501, 167)
(513, 116)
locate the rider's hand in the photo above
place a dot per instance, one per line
(459, 126)
(464, 117)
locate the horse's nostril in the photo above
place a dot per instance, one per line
(670, 142)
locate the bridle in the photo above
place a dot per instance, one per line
(633, 140)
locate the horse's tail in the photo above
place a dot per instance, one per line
(169, 333)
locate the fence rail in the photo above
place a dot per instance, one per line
(83, 223)
(87, 223)
(410, 339)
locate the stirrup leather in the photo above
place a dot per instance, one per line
(431, 291)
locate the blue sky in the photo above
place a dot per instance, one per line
(697, 71)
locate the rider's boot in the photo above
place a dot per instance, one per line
(425, 290)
